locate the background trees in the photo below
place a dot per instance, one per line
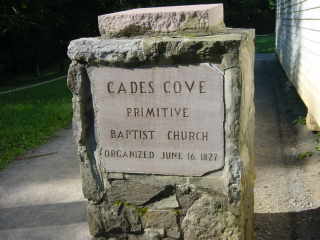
(35, 33)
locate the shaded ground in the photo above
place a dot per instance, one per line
(40, 195)
(287, 194)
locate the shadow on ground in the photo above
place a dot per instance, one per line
(40, 195)
(43, 215)
(287, 203)
(307, 221)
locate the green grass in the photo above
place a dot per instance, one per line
(29, 117)
(265, 44)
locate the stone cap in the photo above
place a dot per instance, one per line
(206, 18)
(221, 49)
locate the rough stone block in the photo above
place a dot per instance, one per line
(135, 192)
(167, 200)
(178, 19)
(166, 203)
(113, 218)
(163, 219)
(209, 212)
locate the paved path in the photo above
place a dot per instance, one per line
(40, 196)
(287, 192)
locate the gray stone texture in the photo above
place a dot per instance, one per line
(218, 205)
(161, 50)
(204, 109)
(178, 19)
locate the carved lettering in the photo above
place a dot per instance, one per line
(157, 112)
(132, 87)
(134, 134)
(159, 120)
(148, 87)
(181, 135)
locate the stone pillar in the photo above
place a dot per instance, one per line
(164, 124)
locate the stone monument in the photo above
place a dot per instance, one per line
(164, 124)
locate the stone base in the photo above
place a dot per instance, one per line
(218, 205)
(188, 213)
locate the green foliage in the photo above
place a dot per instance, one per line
(118, 203)
(177, 212)
(300, 120)
(265, 43)
(272, 4)
(139, 210)
(36, 33)
(304, 155)
(29, 117)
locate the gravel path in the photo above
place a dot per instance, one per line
(287, 192)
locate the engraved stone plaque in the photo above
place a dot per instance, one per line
(159, 120)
